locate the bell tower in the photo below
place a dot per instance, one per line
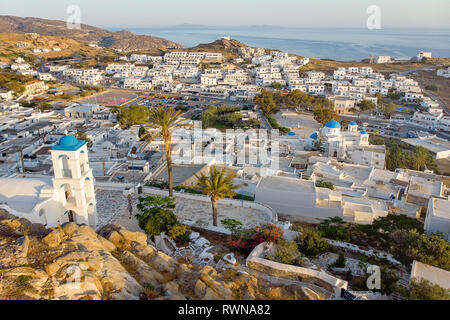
(74, 180)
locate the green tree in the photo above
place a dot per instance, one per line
(420, 158)
(217, 185)
(45, 107)
(408, 246)
(323, 115)
(334, 228)
(277, 86)
(165, 120)
(311, 243)
(287, 252)
(324, 184)
(388, 109)
(204, 65)
(131, 115)
(394, 158)
(365, 105)
(267, 102)
(340, 261)
(380, 98)
(155, 215)
(425, 290)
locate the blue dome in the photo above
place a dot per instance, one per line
(314, 135)
(67, 141)
(292, 134)
(364, 132)
(352, 123)
(333, 124)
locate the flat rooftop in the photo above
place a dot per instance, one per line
(287, 184)
(424, 187)
(435, 145)
(441, 208)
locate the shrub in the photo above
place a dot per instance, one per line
(324, 184)
(425, 290)
(311, 243)
(267, 233)
(341, 261)
(335, 229)
(431, 87)
(232, 225)
(179, 232)
(150, 292)
(286, 252)
(246, 240)
(411, 245)
(155, 216)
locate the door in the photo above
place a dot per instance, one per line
(71, 216)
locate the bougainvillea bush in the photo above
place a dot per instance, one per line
(245, 240)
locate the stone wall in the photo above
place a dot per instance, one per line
(256, 260)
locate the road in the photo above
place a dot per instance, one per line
(383, 123)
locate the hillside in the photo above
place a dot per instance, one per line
(123, 40)
(229, 48)
(9, 50)
(74, 262)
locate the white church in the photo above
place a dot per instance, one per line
(351, 146)
(67, 197)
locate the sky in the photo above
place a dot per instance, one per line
(299, 13)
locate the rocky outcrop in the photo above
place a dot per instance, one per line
(75, 262)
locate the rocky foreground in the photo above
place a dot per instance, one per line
(75, 262)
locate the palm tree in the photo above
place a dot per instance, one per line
(166, 120)
(217, 185)
(420, 158)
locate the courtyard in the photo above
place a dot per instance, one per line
(112, 208)
(302, 124)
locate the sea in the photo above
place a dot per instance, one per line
(341, 44)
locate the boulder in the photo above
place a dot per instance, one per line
(164, 263)
(71, 258)
(118, 240)
(130, 236)
(117, 283)
(86, 231)
(76, 291)
(69, 228)
(5, 215)
(141, 271)
(144, 252)
(11, 227)
(209, 276)
(200, 289)
(172, 291)
(24, 243)
(54, 238)
(212, 295)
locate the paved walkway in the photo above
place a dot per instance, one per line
(292, 120)
(112, 207)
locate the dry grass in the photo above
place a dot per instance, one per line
(331, 65)
(426, 78)
(69, 47)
